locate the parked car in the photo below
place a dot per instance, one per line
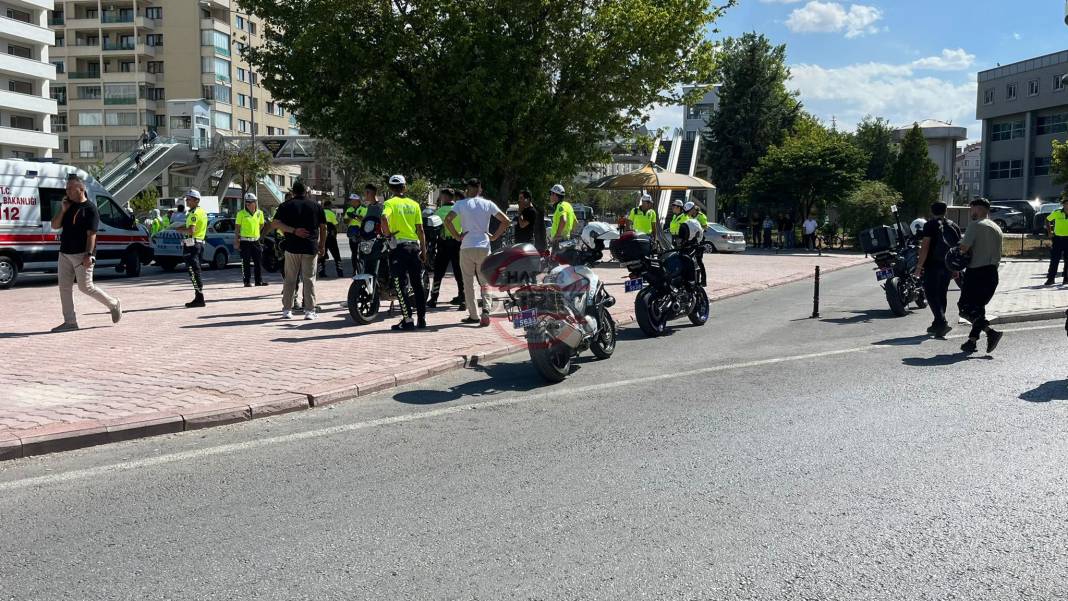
(219, 248)
(1008, 219)
(1027, 207)
(1043, 213)
(719, 238)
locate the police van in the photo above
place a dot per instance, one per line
(31, 194)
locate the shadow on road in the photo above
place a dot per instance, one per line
(1056, 390)
(856, 317)
(941, 360)
(500, 378)
(905, 341)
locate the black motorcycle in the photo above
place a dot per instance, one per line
(669, 283)
(896, 254)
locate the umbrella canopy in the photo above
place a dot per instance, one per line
(652, 177)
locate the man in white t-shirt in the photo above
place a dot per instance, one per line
(809, 228)
(475, 214)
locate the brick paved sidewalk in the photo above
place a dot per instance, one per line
(1020, 290)
(166, 368)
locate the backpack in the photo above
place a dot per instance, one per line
(949, 237)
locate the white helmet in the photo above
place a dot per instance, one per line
(917, 226)
(690, 232)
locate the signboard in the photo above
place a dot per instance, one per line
(274, 146)
(20, 206)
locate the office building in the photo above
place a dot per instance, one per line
(968, 175)
(26, 108)
(1023, 107)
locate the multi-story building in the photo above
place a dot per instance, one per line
(26, 109)
(1023, 107)
(695, 120)
(968, 178)
(942, 139)
(119, 61)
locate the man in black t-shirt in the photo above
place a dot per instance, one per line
(528, 219)
(304, 225)
(937, 235)
(79, 220)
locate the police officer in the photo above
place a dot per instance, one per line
(563, 216)
(642, 218)
(403, 222)
(448, 253)
(331, 241)
(678, 217)
(249, 225)
(195, 229)
(353, 220)
(1057, 224)
(694, 211)
(154, 222)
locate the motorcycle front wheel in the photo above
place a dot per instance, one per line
(604, 343)
(363, 307)
(699, 314)
(893, 298)
(551, 359)
(651, 320)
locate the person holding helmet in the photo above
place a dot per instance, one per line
(939, 235)
(403, 221)
(195, 229)
(982, 244)
(249, 225)
(642, 219)
(563, 215)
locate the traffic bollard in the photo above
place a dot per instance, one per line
(816, 295)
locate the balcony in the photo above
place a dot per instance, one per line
(130, 77)
(27, 103)
(83, 23)
(216, 25)
(56, 22)
(26, 67)
(82, 49)
(83, 74)
(27, 137)
(121, 100)
(28, 32)
(108, 18)
(128, 46)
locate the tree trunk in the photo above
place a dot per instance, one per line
(505, 190)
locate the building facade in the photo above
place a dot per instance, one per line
(119, 61)
(942, 139)
(695, 119)
(968, 178)
(26, 73)
(1023, 107)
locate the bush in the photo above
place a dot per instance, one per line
(868, 206)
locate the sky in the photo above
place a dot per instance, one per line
(903, 60)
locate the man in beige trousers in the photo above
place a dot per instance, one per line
(79, 220)
(475, 214)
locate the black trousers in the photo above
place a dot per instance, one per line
(406, 270)
(331, 250)
(936, 280)
(810, 241)
(978, 287)
(354, 254)
(448, 254)
(251, 252)
(193, 255)
(1057, 252)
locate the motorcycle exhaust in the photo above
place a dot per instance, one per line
(568, 334)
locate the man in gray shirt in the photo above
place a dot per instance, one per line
(982, 242)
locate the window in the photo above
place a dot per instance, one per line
(155, 93)
(219, 66)
(1052, 124)
(120, 145)
(18, 15)
(154, 66)
(182, 122)
(242, 100)
(89, 93)
(126, 66)
(1042, 165)
(154, 12)
(111, 214)
(1006, 169)
(1032, 87)
(1010, 91)
(241, 74)
(120, 93)
(242, 126)
(22, 51)
(22, 154)
(218, 39)
(91, 13)
(217, 93)
(222, 120)
(60, 66)
(239, 22)
(21, 87)
(252, 28)
(1058, 83)
(154, 39)
(120, 118)
(59, 123)
(988, 96)
(90, 118)
(59, 94)
(1006, 131)
(60, 41)
(20, 122)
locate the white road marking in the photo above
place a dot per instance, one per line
(399, 419)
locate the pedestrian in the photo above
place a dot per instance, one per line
(475, 215)
(168, 217)
(139, 159)
(808, 229)
(732, 222)
(755, 229)
(331, 241)
(372, 207)
(982, 243)
(939, 235)
(302, 222)
(769, 225)
(178, 217)
(247, 233)
(1057, 227)
(448, 253)
(403, 223)
(195, 228)
(154, 223)
(563, 216)
(144, 137)
(78, 220)
(788, 225)
(353, 220)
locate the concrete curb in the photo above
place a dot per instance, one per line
(66, 437)
(1026, 316)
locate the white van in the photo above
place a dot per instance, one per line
(31, 194)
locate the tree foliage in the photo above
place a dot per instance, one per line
(248, 165)
(866, 207)
(875, 138)
(507, 90)
(915, 175)
(346, 171)
(1059, 164)
(755, 109)
(810, 167)
(145, 201)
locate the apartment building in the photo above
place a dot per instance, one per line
(119, 61)
(968, 176)
(26, 109)
(1023, 107)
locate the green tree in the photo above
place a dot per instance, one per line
(875, 137)
(810, 167)
(915, 175)
(1059, 165)
(755, 109)
(868, 206)
(346, 171)
(419, 189)
(248, 165)
(508, 90)
(145, 201)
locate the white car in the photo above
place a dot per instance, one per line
(720, 239)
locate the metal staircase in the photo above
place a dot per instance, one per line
(123, 178)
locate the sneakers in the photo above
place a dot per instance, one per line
(471, 320)
(248, 285)
(65, 327)
(262, 284)
(993, 337)
(196, 302)
(340, 273)
(432, 303)
(457, 300)
(1050, 282)
(463, 306)
(287, 314)
(485, 321)
(942, 331)
(116, 311)
(421, 323)
(931, 329)
(311, 315)
(969, 347)
(403, 326)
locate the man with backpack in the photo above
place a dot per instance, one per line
(939, 236)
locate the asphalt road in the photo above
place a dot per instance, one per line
(764, 456)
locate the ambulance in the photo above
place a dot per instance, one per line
(31, 194)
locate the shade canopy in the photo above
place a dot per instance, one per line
(651, 177)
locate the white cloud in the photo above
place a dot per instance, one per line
(890, 91)
(668, 117)
(832, 17)
(950, 60)
(779, 1)
(1016, 36)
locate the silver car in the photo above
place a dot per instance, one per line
(720, 239)
(1008, 219)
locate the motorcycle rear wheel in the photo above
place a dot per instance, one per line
(650, 320)
(363, 308)
(893, 298)
(551, 359)
(604, 344)
(699, 315)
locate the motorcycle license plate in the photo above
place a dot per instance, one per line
(884, 274)
(634, 285)
(525, 318)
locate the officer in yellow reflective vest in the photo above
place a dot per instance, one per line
(403, 224)
(563, 216)
(695, 212)
(331, 241)
(247, 231)
(1057, 222)
(643, 218)
(678, 218)
(195, 229)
